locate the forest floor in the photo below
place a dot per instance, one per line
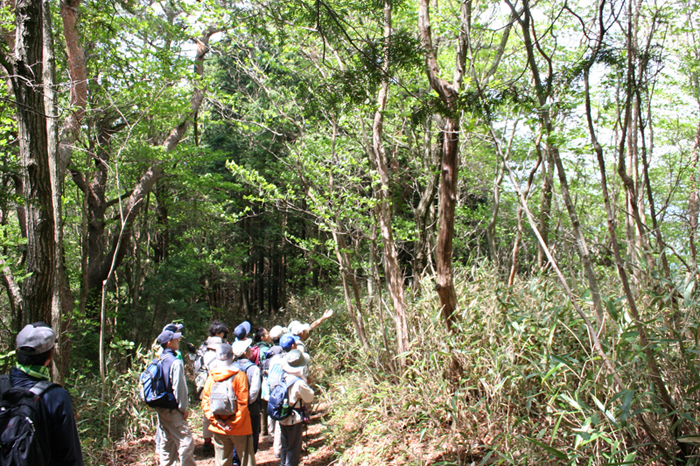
(141, 452)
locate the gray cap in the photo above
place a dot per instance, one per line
(296, 359)
(173, 327)
(225, 352)
(35, 339)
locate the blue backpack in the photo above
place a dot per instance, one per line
(152, 387)
(278, 405)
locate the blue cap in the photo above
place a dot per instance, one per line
(242, 331)
(168, 335)
(287, 341)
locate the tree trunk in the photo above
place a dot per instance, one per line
(449, 175)
(392, 268)
(26, 77)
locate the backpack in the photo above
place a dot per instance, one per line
(278, 405)
(256, 354)
(152, 387)
(201, 370)
(275, 373)
(222, 399)
(25, 439)
(199, 357)
(245, 366)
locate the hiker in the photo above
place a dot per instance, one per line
(300, 395)
(302, 331)
(35, 346)
(276, 333)
(232, 430)
(218, 331)
(287, 343)
(158, 349)
(242, 352)
(262, 341)
(242, 330)
(174, 439)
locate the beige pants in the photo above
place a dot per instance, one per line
(223, 449)
(206, 433)
(175, 438)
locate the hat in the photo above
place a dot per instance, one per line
(36, 338)
(297, 328)
(242, 330)
(240, 347)
(276, 332)
(296, 359)
(286, 341)
(224, 352)
(168, 335)
(173, 327)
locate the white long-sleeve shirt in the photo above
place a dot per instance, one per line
(299, 391)
(254, 380)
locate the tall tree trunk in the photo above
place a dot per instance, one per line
(449, 175)
(61, 300)
(392, 268)
(26, 76)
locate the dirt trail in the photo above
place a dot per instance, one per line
(315, 453)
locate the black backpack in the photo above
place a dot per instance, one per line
(25, 439)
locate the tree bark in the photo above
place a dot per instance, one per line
(26, 71)
(449, 175)
(392, 268)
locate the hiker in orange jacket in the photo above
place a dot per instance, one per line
(234, 430)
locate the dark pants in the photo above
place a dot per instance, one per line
(263, 414)
(255, 420)
(290, 453)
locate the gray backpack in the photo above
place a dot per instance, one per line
(222, 399)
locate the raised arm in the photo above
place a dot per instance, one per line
(326, 315)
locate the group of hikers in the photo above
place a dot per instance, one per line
(235, 381)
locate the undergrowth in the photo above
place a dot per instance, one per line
(516, 383)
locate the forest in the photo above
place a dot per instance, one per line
(498, 198)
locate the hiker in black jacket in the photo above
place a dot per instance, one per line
(35, 344)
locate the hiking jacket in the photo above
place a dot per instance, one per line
(239, 423)
(176, 380)
(65, 444)
(300, 395)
